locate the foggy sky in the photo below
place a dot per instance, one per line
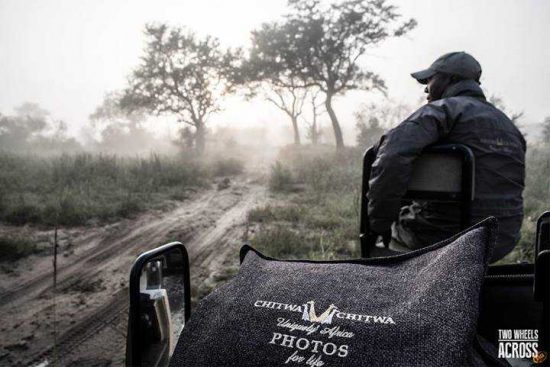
(66, 54)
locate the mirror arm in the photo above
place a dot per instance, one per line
(133, 353)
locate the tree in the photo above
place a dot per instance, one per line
(180, 75)
(322, 45)
(35, 114)
(369, 132)
(290, 100)
(513, 115)
(313, 130)
(187, 139)
(373, 120)
(16, 132)
(261, 72)
(110, 111)
(546, 130)
(32, 128)
(120, 130)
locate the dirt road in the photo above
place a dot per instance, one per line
(89, 308)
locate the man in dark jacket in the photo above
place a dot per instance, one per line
(456, 112)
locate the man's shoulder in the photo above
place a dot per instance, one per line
(445, 108)
(431, 108)
(471, 106)
(462, 101)
(455, 102)
(471, 109)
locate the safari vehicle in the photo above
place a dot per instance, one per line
(514, 296)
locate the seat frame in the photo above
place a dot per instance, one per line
(528, 282)
(464, 197)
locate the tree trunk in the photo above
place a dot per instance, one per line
(199, 138)
(314, 132)
(296, 131)
(335, 125)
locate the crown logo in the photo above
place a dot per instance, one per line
(309, 314)
(540, 357)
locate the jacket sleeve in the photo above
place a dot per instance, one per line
(397, 150)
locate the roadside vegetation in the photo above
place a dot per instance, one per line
(73, 190)
(314, 211)
(315, 205)
(536, 199)
(14, 248)
(85, 189)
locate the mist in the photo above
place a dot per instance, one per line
(129, 125)
(69, 73)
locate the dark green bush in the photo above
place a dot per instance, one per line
(280, 179)
(13, 248)
(227, 167)
(24, 213)
(129, 207)
(536, 199)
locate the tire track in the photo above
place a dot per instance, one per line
(105, 248)
(83, 331)
(209, 239)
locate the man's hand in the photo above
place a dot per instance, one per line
(386, 237)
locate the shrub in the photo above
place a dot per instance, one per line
(260, 214)
(14, 248)
(73, 211)
(280, 179)
(24, 213)
(536, 200)
(129, 207)
(227, 167)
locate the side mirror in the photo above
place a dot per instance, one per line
(160, 304)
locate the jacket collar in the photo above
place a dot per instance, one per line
(468, 88)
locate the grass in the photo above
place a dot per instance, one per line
(536, 200)
(322, 222)
(306, 228)
(213, 281)
(281, 179)
(318, 222)
(73, 190)
(226, 167)
(283, 242)
(289, 213)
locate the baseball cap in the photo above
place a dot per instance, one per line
(455, 63)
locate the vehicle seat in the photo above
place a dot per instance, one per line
(440, 173)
